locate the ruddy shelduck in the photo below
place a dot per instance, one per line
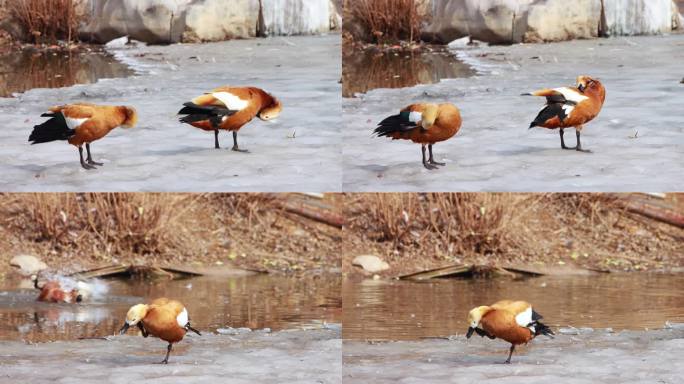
(230, 108)
(163, 318)
(53, 292)
(425, 124)
(570, 107)
(82, 123)
(513, 321)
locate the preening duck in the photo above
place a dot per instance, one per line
(230, 108)
(425, 124)
(163, 318)
(570, 107)
(81, 124)
(513, 321)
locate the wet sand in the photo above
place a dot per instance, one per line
(301, 356)
(298, 151)
(589, 357)
(637, 139)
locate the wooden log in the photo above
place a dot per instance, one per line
(662, 212)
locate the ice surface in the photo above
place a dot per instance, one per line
(495, 151)
(160, 154)
(624, 357)
(257, 357)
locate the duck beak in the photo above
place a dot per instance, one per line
(124, 329)
(470, 332)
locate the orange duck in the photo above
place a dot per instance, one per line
(425, 124)
(513, 321)
(163, 318)
(52, 292)
(81, 124)
(570, 107)
(230, 108)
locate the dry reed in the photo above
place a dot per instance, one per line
(388, 20)
(48, 20)
(103, 223)
(452, 223)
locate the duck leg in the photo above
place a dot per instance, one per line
(168, 352)
(216, 140)
(563, 141)
(89, 159)
(579, 143)
(426, 164)
(510, 353)
(235, 144)
(83, 163)
(432, 159)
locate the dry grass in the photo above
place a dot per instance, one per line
(48, 20)
(420, 231)
(388, 20)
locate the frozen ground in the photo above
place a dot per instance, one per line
(496, 152)
(589, 357)
(311, 356)
(160, 154)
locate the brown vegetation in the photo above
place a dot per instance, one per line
(72, 231)
(47, 21)
(386, 20)
(421, 231)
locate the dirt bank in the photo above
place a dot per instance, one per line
(71, 232)
(415, 232)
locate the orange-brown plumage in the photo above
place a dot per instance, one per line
(52, 292)
(512, 321)
(82, 123)
(163, 318)
(230, 108)
(571, 107)
(425, 124)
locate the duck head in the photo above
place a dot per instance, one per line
(429, 116)
(271, 111)
(589, 85)
(474, 318)
(131, 116)
(134, 316)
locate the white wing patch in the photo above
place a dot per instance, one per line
(231, 101)
(571, 94)
(74, 123)
(415, 117)
(524, 318)
(182, 318)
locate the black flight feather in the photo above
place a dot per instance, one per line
(53, 129)
(395, 123)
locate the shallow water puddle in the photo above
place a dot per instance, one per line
(254, 302)
(28, 69)
(364, 70)
(403, 310)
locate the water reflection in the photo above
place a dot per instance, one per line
(28, 69)
(256, 302)
(364, 70)
(397, 310)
